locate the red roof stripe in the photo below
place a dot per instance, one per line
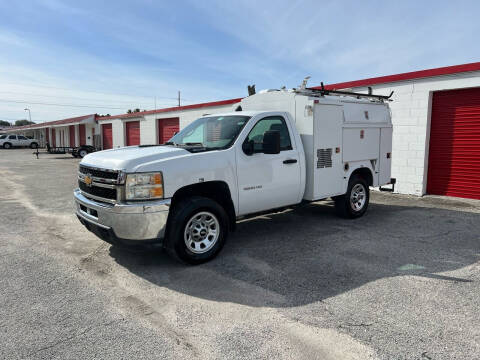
(171, 109)
(447, 70)
(53, 123)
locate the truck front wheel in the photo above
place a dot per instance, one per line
(197, 231)
(355, 202)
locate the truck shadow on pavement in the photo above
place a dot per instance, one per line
(306, 255)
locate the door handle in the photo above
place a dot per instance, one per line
(290, 161)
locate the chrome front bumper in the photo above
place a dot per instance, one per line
(146, 220)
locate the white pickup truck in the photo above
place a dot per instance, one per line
(278, 149)
(9, 141)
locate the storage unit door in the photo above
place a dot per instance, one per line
(71, 130)
(132, 129)
(107, 136)
(54, 138)
(81, 129)
(454, 156)
(167, 128)
(47, 135)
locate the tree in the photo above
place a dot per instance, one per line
(23, 122)
(4, 123)
(136, 110)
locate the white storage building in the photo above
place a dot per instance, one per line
(436, 128)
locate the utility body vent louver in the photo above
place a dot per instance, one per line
(324, 158)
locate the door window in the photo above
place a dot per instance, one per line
(12, 137)
(270, 123)
(21, 137)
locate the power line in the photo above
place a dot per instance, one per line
(89, 91)
(71, 105)
(81, 98)
(67, 97)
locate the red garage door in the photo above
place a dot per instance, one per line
(54, 138)
(167, 128)
(132, 129)
(47, 135)
(71, 130)
(81, 129)
(454, 156)
(107, 136)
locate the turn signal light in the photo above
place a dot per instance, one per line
(157, 178)
(156, 192)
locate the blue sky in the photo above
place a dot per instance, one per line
(109, 56)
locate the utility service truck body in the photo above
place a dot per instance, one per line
(278, 149)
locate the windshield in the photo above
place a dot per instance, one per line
(213, 132)
(3, 137)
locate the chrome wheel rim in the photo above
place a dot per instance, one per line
(202, 232)
(358, 197)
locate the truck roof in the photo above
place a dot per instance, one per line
(241, 113)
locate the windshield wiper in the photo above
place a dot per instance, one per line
(169, 143)
(193, 144)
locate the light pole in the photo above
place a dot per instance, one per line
(29, 114)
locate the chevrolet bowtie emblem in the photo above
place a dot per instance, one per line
(88, 180)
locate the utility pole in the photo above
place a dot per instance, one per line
(178, 98)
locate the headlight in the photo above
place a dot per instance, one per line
(144, 186)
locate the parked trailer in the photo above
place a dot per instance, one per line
(76, 151)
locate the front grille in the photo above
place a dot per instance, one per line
(105, 193)
(98, 173)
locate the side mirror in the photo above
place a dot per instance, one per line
(248, 148)
(271, 142)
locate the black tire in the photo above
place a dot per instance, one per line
(351, 209)
(182, 214)
(7, 146)
(33, 145)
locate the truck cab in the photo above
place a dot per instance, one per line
(278, 149)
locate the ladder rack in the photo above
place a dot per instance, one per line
(322, 92)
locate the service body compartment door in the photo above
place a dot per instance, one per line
(362, 144)
(385, 166)
(327, 162)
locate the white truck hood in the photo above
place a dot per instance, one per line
(129, 158)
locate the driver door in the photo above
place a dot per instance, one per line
(268, 181)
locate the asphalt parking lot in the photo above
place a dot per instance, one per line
(400, 283)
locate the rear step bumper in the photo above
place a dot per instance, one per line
(392, 182)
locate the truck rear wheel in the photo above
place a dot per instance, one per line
(198, 229)
(355, 202)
